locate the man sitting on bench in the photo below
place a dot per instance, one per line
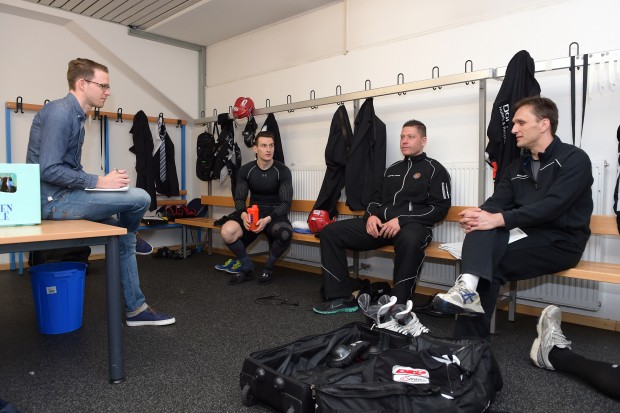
(547, 194)
(414, 196)
(271, 188)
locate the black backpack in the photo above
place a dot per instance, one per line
(205, 151)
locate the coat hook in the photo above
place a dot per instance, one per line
(202, 113)
(160, 117)
(179, 123)
(570, 48)
(119, 115)
(367, 85)
(338, 93)
(289, 100)
(230, 109)
(400, 80)
(214, 112)
(433, 74)
(97, 113)
(267, 103)
(19, 104)
(312, 97)
(471, 69)
(46, 101)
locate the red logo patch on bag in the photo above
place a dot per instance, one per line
(403, 374)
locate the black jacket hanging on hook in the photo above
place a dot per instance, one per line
(143, 149)
(366, 160)
(518, 83)
(164, 165)
(336, 152)
(227, 153)
(271, 125)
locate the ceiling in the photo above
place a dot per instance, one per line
(202, 22)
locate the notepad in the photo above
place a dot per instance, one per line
(123, 189)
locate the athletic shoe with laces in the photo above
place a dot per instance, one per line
(385, 320)
(150, 317)
(549, 335)
(337, 305)
(400, 318)
(409, 321)
(143, 247)
(458, 299)
(228, 265)
(235, 268)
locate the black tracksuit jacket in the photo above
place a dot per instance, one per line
(416, 189)
(559, 201)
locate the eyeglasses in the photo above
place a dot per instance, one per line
(103, 86)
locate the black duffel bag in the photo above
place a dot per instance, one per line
(394, 373)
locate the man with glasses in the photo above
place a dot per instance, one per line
(56, 139)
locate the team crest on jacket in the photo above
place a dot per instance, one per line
(417, 175)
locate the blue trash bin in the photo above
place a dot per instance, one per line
(58, 292)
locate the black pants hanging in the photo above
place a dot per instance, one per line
(351, 234)
(488, 255)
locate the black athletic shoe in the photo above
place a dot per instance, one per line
(264, 278)
(241, 277)
(337, 305)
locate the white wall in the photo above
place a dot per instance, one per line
(37, 43)
(354, 41)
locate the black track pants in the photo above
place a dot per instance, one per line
(488, 255)
(351, 234)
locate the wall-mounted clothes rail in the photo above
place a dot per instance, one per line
(112, 115)
(383, 91)
(565, 62)
(19, 106)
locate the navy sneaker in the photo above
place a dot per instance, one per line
(143, 247)
(230, 266)
(235, 268)
(337, 305)
(150, 317)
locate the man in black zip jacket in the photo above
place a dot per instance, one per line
(413, 195)
(547, 195)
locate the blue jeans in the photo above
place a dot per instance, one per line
(123, 209)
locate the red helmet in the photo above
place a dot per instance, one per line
(318, 219)
(243, 107)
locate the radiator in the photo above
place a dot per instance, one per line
(563, 291)
(307, 182)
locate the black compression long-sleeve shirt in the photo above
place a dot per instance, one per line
(271, 189)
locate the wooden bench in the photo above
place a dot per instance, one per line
(600, 225)
(163, 200)
(432, 251)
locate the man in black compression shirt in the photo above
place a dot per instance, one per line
(270, 185)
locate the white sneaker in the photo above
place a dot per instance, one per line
(549, 335)
(458, 299)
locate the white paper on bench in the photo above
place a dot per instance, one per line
(455, 248)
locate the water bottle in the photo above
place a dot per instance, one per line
(253, 214)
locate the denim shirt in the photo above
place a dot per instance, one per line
(56, 139)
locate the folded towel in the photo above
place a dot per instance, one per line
(454, 248)
(301, 227)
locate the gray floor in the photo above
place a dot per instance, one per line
(194, 365)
